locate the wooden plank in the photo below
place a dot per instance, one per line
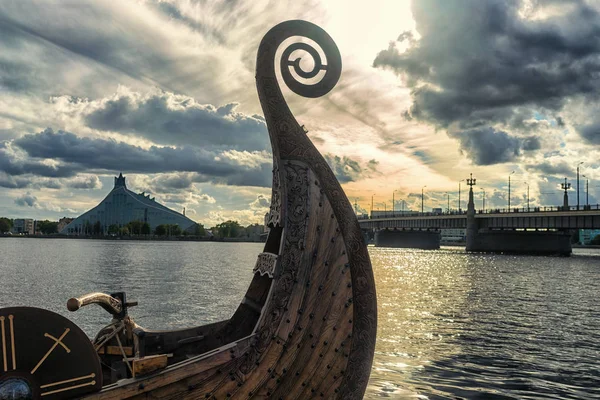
(116, 350)
(145, 365)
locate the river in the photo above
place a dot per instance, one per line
(451, 325)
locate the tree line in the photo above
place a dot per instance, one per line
(227, 229)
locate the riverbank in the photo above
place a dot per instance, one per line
(141, 238)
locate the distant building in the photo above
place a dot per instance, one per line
(453, 235)
(587, 235)
(254, 231)
(63, 222)
(23, 226)
(122, 206)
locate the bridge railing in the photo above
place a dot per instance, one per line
(376, 214)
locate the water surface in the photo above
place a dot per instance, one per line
(451, 325)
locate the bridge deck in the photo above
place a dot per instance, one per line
(572, 219)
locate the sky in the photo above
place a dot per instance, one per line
(163, 91)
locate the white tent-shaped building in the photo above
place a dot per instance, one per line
(122, 206)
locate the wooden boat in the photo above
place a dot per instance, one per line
(305, 328)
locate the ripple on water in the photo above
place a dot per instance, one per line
(481, 326)
(451, 325)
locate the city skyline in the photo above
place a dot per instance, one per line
(431, 91)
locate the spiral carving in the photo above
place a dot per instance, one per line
(332, 65)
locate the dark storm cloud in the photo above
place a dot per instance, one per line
(10, 182)
(486, 146)
(36, 182)
(531, 143)
(591, 132)
(548, 168)
(479, 64)
(170, 119)
(82, 153)
(13, 165)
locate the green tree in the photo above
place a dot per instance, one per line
(47, 227)
(135, 227)
(146, 228)
(595, 240)
(97, 228)
(113, 229)
(199, 230)
(160, 230)
(174, 230)
(229, 229)
(124, 231)
(5, 225)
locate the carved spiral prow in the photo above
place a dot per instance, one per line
(288, 138)
(265, 66)
(293, 149)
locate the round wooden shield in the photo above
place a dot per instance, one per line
(43, 355)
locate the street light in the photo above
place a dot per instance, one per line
(422, 198)
(483, 191)
(587, 190)
(459, 194)
(448, 209)
(372, 205)
(394, 201)
(527, 196)
(578, 184)
(566, 186)
(509, 190)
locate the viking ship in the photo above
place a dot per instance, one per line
(305, 327)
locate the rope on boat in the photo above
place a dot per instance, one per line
(116, 327)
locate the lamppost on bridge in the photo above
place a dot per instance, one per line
(587, 190)
(565, 186)
(372, 205)
(422, 198)
(509, 190)
(394, 201)
(459, 194)
(471, 182)
(448, 209)
(578, 184)
(527, 196)
(483, 191)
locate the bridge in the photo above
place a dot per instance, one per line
(562, 218)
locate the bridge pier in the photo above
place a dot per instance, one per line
(512, 241)
(416, 239)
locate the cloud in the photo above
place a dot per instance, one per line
(85, 182)
(36, 182)
(486, 146)
(591, 132)
(14, 162)
(77, 154)
(556, 167)
(167, 118)
(494, 65)
(348, 170)
(26, 200)
(261, 202)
